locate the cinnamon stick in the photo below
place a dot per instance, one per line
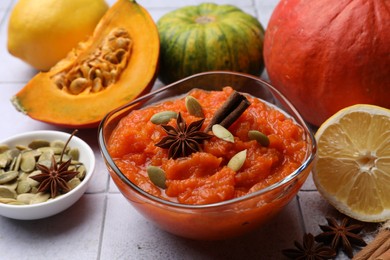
(379, 248)
(230, 111)
(384, 256)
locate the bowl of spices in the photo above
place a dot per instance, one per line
(43, 173)
(210, 157)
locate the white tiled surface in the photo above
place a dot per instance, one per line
(102, 224)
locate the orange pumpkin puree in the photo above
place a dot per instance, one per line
(203, 177)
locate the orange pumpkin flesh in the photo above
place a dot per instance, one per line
(328, 54)
(43, 100)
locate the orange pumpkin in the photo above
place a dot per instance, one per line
(116, 65)
(325, 55)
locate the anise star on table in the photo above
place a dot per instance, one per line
(55, 178)
(183, 140)
(309, 249)
(341, 235)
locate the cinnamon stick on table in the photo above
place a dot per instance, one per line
(379, 248)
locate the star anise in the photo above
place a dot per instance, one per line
(55, 178)
(342, 235)
(310, 250)
(183, 140)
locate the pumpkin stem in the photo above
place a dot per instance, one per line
(205, 19)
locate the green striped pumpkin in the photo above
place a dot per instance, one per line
(209, 37)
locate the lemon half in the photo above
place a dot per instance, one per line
(42, 32)
(352, 171)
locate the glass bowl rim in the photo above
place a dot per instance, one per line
(311, 150)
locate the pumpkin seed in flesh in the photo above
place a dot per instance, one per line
(237, 161)
(163, 117)
(259, 137)
(222, 133)
(193, 106)
(157, 176)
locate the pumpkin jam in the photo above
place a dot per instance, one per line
(203, 177)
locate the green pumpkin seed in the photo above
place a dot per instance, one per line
(16, 203)
(6, 192)
(259, 137)
(12, 153)
(4, 160)
(157, 176)
(28, 163)
(73, 183)
(54, 150)
(46, 163)
(33, 153)
(163, 117)
(18, 162)
(25, 198)
(12, 184)
(23, 187)
(40, 197)
(237, 161)
(8, 176)
(222, 133)
(57, 143)
(65, 158)
(74, 153)
(35, 144)
(82, 171)
(7, 200)
(193, 106)
(32, 182)
(3, 148)
(21, 147)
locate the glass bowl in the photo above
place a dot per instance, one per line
(221, 220)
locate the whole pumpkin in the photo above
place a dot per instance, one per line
(209, 37)
(325, 55)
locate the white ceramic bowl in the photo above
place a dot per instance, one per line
(51, 207)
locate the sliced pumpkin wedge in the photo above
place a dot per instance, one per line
(114, 66)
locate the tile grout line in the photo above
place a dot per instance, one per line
(302, 220)
(99, 252)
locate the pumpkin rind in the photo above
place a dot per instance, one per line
(42, 100)
(209, 37)
(326, 62)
